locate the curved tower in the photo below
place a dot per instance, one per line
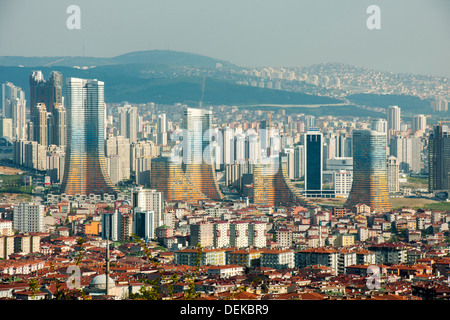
(85, 163)
(369, 185)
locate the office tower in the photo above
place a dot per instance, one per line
(393, 172)
(271, 184)
(439, 158)
(149, 200)
(144, 224)
(394, 118)
(313, 160)
(14, 108)
(85, 169)
(128, 122)
(370, 186)
(197, 155)
(379, 125)
(28, 217)
(419, 123)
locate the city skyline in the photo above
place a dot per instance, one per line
(164, 175)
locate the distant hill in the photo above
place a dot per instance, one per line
(152, 57)
(408, 104)
(125, 82)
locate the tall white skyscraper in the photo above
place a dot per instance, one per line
(394, 118)
(419, 123)
(14, 108)
(128, 122)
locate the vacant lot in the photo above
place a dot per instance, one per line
(397, 203)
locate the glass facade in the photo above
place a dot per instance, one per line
(85, 167)
(313, 159)
(370, 184)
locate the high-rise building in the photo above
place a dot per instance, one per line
(342, 181)
(370, 186)
(393, 172)
(408, 151)
(59, 125)
(197, 154)
(379, 125)
(48, 94)
(313, 160)
(128, 122)
(14, 108)
(167, 176)
(162, 136)
(394, 118)
(439, 158)
(40, 124)
(419, 123)
(272, 186)
(117, 152)
(144, 224)
(149, 200)
(299, 161)
(28, 217)
(85, 165)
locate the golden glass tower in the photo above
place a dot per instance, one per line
(197, 154)
(370, 186)
(272, 186)
(85, 163)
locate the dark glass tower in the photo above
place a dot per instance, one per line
(313, 160)
(439, 158)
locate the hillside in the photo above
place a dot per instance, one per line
(152, 57)
(129, 82)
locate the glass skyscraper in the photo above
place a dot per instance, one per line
(197, 153)
(439, 158)
(313, 160)
(370, 186)
(85, 163)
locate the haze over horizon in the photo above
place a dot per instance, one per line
(413, 37)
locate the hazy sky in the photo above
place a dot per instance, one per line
(414, 35)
